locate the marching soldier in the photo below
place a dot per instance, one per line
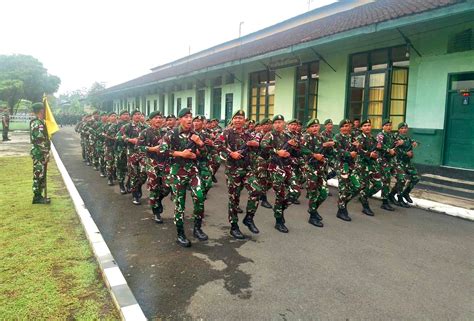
(404, 154)
(263, 175)
(120, 149)
(347, 176)
(297, 162)
(369, 169)
(330, 153)
(40, 153)
(100, 141)
(280, 147)
(205, 153)
(234, 143)
(109, 143)
(181, 144)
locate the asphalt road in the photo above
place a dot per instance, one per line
(406, 265)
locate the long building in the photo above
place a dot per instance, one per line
(410, 60)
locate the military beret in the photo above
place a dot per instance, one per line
(154, 114)
(170, 116)
(312, 121)
(183, 112)
(344, 121)
(124, 111)
(37, 107)
(103, 113)
(112, 113)
(402, 124)
(294, 120)
(199, 117)
(239, 112)
(328, 121)
(386, 121)
(278, 117)
(136, 111)
(265, 121)
(366, 121)
(217, 120)
(251, 121)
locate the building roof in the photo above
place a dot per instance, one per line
(359, 16)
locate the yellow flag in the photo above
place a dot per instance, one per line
(51, 125)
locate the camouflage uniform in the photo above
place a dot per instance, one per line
(120, 151)
(369, 169)
(347, 174)
(389, 165)
(155, 167)
(283, 181)
(100, 146)
(411, 174)
(40, 155)
(109, 143)
(239, 172)
(78, 129)
(204, 159)
(184, 174)
(330, 155)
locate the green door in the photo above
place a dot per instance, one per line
(459, 144)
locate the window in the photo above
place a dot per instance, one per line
(200, 99)
(306, 97)
(262, 95)
(178, 105)
(155, 104)
(189, 102)
(378, 85)
(461, 41)
(216, 103)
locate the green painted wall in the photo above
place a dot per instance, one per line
(285, 92)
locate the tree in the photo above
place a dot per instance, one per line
(24, 77)
(92, 97)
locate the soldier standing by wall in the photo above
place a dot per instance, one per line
(40, 153)
(180, 144)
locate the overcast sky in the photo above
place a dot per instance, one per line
(83, 41)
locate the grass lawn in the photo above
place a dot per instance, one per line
(19, 126)
(47, 270)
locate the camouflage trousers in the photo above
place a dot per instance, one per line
(316, 186)
(136, 166)
(299, 171)
(389, 168)
(205, 172)
(285, 186)
(331, 166)
(370, 179)
(237, 179)
(100, 152)
(214, 163)
(411, 176)
(120, 164)
(39, 175)
(349, 183)
(180, 183)
(156, 182)
(263, 176)
(92, 153)
(109, 159)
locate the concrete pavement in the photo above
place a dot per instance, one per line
(410, 264)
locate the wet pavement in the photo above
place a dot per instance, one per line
(409, 264)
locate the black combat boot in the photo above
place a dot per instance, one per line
(140, 192)
(264, 201)
(182, 240)
(235, 232)
(157, 215)
(280, 225)
(197, 231)
(343, 215)
(365, 207)
(386, 206)
(313, 220)
(316, 214)
(159, 208)
(136, 198)
(296, 201)
(239, 210)
(122, 188)
(127, 186)
(402, 202)
(102, 172)
(214, 179)
(39, 199)
(110, 181)
(391, 198)
(248, 221)
(407, 197)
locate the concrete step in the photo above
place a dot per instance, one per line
(460, 192)
(455, 183)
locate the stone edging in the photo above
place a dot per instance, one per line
(116, 283)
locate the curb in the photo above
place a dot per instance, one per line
(119, 290)
(429, 205)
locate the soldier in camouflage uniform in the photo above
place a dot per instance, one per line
(39, 152)
(346, 171)
(263, 160)
(297, 162)
(404, 154)
(109, 142)
(386, 147)
(313, 146)
(136, 170)
(181, 144)
(100, 141)
(78, 129)
(356, 130)
(368, 167)
(205, 153)
(330, 153)
(149, 143)
(234, 143)
(214, 130)
(170, 122)
(93, 133)
(280, 148)
(120, 150)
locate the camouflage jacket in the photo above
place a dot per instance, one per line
(127, 131)
(272, 142)
(385, 142)
(178, 140)
(367, 145)
(150, 137)
(404, 148)
(231, 140)
(313, 144)
(39, 138)
(343, 148)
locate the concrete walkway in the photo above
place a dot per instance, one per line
(410, 264)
